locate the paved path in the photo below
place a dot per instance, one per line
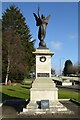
(11, 112)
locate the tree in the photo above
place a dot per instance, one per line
(13, 54)
(77, 68)
(17, 43)
(68, 68)
(52, 71)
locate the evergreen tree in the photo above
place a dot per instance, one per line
(17, 32)
(68, 68)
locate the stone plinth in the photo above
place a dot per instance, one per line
(43, 88)
(43, 62)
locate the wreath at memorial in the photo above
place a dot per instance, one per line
(42, 59)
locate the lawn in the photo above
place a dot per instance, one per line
(68, 94)
(21, 91)
(28, 79)
(18, 91)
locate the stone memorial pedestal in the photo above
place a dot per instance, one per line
(43, 62)
(43, 89)
(44, 94)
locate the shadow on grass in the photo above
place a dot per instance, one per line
(15, 102)
(27, 87)
(10, 89)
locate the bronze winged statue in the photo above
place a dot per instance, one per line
(42, 22)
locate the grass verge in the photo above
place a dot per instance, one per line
(20, 91)
(68, 94)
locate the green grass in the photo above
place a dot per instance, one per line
(23, 92)
(68, 94)
(18, 91)
(28, 79)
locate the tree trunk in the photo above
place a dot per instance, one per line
(7, 75)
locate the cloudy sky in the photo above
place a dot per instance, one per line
(62, 30)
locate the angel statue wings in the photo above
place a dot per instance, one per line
(42, 22)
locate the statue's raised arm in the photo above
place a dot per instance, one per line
(38, 12)
(38, 21)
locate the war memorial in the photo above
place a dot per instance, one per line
(44, 93)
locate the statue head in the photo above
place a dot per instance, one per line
(42, 16)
